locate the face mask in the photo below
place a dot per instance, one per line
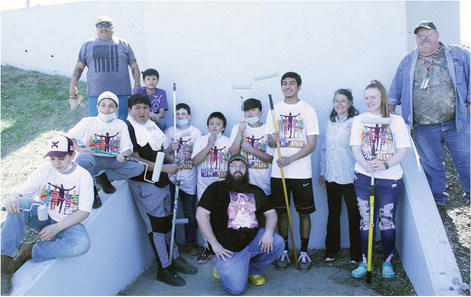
(67, 169)
(217, 135)
(107, 117)
(181, 123)
(251, 121)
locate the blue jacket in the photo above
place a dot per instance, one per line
(400, 92)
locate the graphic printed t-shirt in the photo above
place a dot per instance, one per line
(380, 141)
(107, 139)
(158, 99)
(296, 122)
(185, 147)
(63, 194)
(259, 171)
(235, 217)
(107, 62)
(214, 166)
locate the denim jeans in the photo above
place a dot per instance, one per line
(115, 170)
(387, 192)
(70, 242)
(235, 271)
(335, 192)
(430, 140)
(188, 203)
(123, 107)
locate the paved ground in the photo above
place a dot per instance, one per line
(319, 281)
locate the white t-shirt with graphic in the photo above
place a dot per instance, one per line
(63, 194)
(259, 171)
(186, 141)
(383, 142)
(296, 122)
(214, 166)
(107, 139)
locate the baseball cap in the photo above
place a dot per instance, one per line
(108, 95)
(425, 24)
(103, 19)
(238, 157)
(60, 147)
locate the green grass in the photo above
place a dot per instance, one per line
(34, 109)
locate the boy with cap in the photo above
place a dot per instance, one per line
(66, 191)
(103, 142)
(231, 215)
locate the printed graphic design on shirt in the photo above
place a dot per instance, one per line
(291, 128)
(185, 148)
(106, 58)
(241, 211)
(60, 199)
(106, 144)
(215, 164)
(377, 142)
(259, 144)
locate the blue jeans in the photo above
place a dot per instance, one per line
(387, 192)
(188, 203)
(430, 140)
(71, 242)
(123, 106)
(115, 170)
(235, 271)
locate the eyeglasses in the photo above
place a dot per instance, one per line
(238, 166)
(103, 25)
(424, 36)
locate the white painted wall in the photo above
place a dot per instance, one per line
(207, 47)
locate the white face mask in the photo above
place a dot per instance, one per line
(217, 135)
(181, 123)
(252, 121)
(68, 168)
(107, 117)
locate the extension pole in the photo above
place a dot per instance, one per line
(283, 181)
(370, 229)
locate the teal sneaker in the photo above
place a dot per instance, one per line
(388, 270)
(360, 271)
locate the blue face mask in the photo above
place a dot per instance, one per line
(181, 123)
(107, 117)
(252, 121)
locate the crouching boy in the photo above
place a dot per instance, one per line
(66, 191)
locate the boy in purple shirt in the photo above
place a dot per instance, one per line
(158, 97)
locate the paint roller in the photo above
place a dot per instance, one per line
(42, 211)
(158, 163)
(266, 76)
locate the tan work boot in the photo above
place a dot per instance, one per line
(8, 268)
(25, 253)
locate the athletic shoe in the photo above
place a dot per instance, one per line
(96, 199)
(105, 183)
(181, 265)
(388, 270)
(360, 271)
(189, 249)
(216, 273)
(329, 259)
(282, 261)
(170, 277)
(256, 279)
(304, 262)
(204, 256)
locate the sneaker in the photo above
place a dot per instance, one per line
(181, 265)
(96, 200)
(256, 279)
(282, 261)
(360, 271)
(170, 277)
(304, 262)
(204, 256)
(387, 270)
(105, 183)
(216, 273)
(329, 259)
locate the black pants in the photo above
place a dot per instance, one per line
(335, 192)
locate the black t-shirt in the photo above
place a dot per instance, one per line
(146, 152)
(235, 217)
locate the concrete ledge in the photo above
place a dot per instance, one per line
(421, 241)
(119, 252)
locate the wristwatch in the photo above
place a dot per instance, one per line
(386, 165)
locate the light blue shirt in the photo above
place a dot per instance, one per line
(336, 160)
(401, 91)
